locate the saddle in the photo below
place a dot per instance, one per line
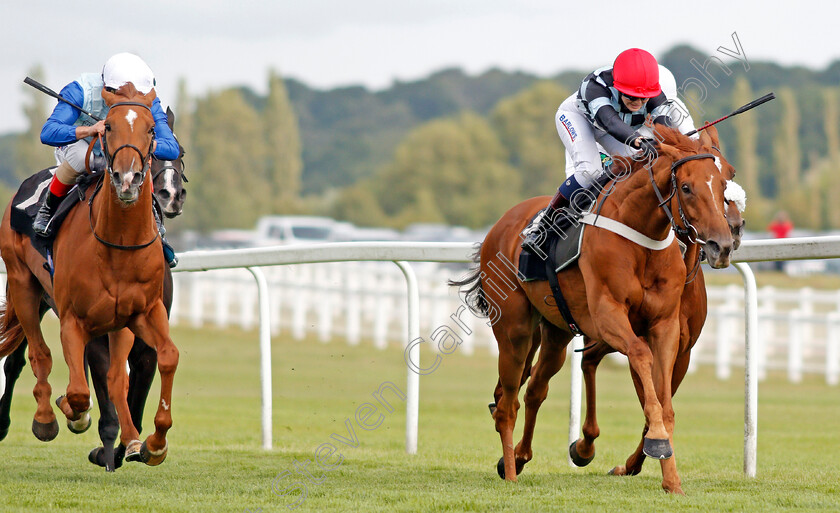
(559, 249)
(28, 200)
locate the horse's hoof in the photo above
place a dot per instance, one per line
(500, 467)
(98, 457)
(492, 407)
(80, 425)
(659, 449)
(577, 459)
(3, 433)
(119, 456)
(153, 458)
(45, 432)
(132, 451)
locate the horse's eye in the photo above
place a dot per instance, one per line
(686, 188)
(107, 127)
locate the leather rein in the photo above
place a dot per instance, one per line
(665, 202)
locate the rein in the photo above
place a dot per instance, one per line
(103, 241)
(687, 227)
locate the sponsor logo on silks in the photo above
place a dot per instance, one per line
(569, 128)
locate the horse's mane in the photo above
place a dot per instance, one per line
(664, 135)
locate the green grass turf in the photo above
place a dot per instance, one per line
(215, 462)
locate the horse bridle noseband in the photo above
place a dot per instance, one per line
(665, 203)
(109, 158)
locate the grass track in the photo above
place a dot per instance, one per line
(215, 464)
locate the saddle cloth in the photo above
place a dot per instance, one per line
(569, 235)
(28, 200)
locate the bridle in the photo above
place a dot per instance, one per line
(109, 158)
(665, 202)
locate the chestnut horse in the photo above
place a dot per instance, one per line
(619, 292)
(116, 239)
(168, 178)
(693, 309)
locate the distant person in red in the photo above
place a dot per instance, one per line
(781, 226)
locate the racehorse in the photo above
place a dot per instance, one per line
(621, 293)
(693, 309)
(117, 237)
(169, 192)
(168, 179)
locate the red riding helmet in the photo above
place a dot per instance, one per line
(636, 73)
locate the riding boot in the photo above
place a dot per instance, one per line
(41, 225)
(168, 250)
(533, 233)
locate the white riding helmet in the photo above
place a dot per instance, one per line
(667, 82)
(127, 67)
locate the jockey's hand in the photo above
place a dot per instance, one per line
(648, 146)
(91, 131)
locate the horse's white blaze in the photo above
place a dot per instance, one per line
(712, 189)
(169, 184)
(130, 117)
(717, 163)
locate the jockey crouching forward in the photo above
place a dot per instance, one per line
(608, 111)
(71, 131)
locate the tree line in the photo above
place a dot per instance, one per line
(457, 149)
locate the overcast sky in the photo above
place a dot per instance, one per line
(329, 43)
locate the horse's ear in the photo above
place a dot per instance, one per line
(709, 137)
(666, 150)
(109, 97)
(170, 117)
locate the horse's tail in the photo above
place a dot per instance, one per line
(474, 296)
(11, 332)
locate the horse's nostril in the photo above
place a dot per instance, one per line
(164, 194)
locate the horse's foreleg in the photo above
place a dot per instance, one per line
(142, 361)
(76, 401)
(664, 343)
(583, 450)
(12, 368)
(552, 357)
(119, 345)
(154, 329)
(98, 358)
(617, 332)
(633, 465)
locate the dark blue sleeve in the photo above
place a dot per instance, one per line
(167, 146)
(59, 129)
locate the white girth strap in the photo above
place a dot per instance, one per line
(627, 232)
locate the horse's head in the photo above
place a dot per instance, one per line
(168, 178)
(129, 139)
(734, 195)
(698, 184)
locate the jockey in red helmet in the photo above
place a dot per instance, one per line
(607, 112)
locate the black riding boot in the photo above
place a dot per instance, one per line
(41, 225)
(168, 250)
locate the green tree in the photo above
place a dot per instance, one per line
(284, 162)
(358, 205)
(787, 161)
(746, 162)
(454, 170)
(525, 124)
(184, 117)
(30, 155)
(229, 150)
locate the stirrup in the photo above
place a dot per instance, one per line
(532, 231)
